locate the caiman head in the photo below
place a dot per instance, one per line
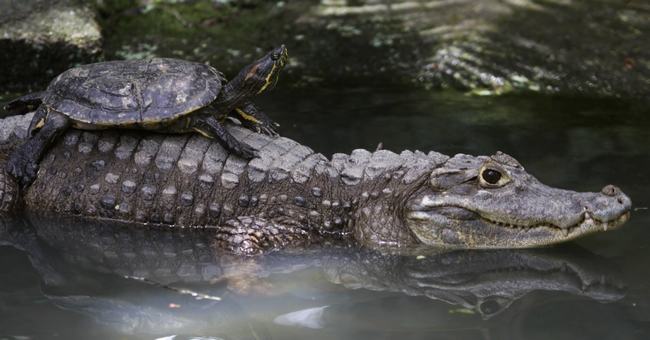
(492, 202)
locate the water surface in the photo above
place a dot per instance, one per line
(63, 280)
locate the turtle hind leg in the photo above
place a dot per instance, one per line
(23, 161)
(255, 119)
(211, 128)
(24, 104)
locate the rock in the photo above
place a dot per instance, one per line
(41, 38)
(486, 47)
(483, 46)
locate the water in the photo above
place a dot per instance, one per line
(63, 279)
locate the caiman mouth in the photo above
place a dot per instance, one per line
(586, 225)
(503, 234)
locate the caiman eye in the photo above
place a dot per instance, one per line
(491, 176)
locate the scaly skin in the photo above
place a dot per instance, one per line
(291, 196)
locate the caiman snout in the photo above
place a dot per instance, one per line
(612, 190)
(610, 204)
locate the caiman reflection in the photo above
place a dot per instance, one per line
(135, 280)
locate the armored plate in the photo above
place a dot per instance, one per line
(135, 91)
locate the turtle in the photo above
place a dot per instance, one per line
(160, 94)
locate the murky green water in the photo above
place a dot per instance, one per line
(69, 281)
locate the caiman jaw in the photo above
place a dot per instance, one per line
(587, 225)
(435, 229)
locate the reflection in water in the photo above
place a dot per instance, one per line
(140, 282)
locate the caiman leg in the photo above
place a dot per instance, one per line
(210, 127)
(23, 162)
(24, 104)
(255, 119)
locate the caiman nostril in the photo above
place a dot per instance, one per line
(611, 190)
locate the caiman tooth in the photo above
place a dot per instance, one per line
(565, 231)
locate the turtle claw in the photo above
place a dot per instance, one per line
(244, 151)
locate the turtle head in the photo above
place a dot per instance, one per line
(264, 72)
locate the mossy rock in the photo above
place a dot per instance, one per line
(41, 38)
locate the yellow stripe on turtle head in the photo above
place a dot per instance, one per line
(267, 80)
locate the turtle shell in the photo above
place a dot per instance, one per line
(127, 92)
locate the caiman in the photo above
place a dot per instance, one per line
(291, 196)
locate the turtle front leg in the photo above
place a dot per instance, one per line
(211, 128)
(23, 161)
(255, 119)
